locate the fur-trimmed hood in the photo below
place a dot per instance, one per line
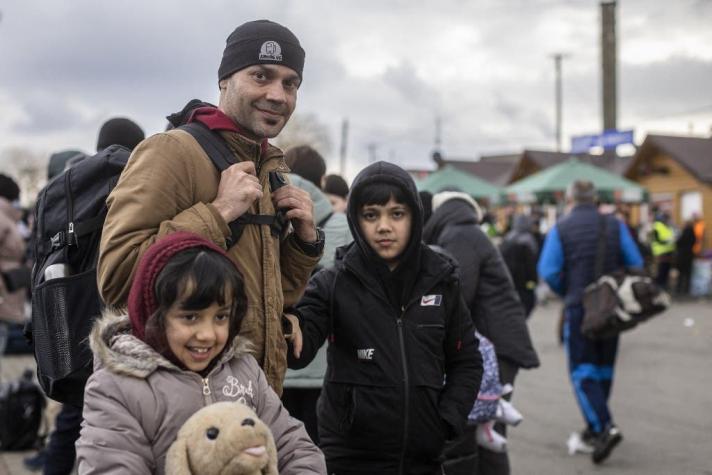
(118, 350)
(444, 196)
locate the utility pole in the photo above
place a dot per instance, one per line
(342, 149)
(372, 152)
(608, 63)
(558, 58)
(438, 133)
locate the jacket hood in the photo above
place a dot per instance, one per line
(115, 348)
(443, 197)
(456, 209)
(322, 207)
(384, 172)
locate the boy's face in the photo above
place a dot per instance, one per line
(197, 336)
(386, 229)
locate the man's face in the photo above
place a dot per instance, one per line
(260, 98)
(386, 229)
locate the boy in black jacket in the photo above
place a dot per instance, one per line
(403, 362)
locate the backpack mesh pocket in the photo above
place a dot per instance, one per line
(63, 312)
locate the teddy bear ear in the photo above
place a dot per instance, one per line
(177, 458)
(271, 468)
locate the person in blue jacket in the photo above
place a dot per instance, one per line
(567, 264)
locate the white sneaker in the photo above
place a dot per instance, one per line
(577, 444)
(507, 413)
(488, 438)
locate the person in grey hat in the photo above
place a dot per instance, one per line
(170, 184)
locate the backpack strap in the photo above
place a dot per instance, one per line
(321, 223)
(213, 144)
(601, 248)
(223, 158)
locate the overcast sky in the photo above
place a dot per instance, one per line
(389, 66)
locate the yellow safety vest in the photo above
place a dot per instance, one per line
(665, 243)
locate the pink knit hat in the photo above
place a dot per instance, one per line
(142, 299)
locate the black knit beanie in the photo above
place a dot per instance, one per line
(261, 42)
(119, 131)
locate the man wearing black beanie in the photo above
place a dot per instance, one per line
(170, 184)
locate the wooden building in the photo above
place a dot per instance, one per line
(677, 172)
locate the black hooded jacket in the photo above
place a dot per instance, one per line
(386, 406)
(486, 285)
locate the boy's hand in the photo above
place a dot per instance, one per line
(296, 336)
(299, 208)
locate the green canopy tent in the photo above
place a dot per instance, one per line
(549, 185)
(450, 178)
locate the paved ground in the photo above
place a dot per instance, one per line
(661, 400)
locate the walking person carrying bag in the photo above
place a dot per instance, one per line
(618, 301)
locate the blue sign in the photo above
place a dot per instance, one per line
(608, 140)
(583, 143)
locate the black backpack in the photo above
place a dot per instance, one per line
(70, 214)
(21, 410)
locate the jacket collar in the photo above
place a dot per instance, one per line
(115, 348)
(215, 119)
(434, 269)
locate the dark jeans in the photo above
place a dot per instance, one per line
(301, 404)
(591, 364)
(61, 453)
(684, 267)
(664, 266)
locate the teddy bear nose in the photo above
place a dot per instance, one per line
(212, 433)
(248, 422)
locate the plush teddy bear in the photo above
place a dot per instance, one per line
(225, 437)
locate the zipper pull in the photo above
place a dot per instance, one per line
(206, 388)
(71, 237)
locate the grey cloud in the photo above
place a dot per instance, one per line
(666, 87)
(146, 59)
(404, 80)
(46, 114)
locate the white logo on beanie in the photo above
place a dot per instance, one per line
(271, 51)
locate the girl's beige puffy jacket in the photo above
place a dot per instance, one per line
(137, 400)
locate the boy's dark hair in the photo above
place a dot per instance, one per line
(8, 188)
(379, 193)
(336, 185)
(200, 277)
(307, 163)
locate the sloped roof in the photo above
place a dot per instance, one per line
(502, 169)
(493, 171)
(612, 163)
(559, 177)
(693, 153)
(450, 178)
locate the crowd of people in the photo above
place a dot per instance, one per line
(354, 320)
